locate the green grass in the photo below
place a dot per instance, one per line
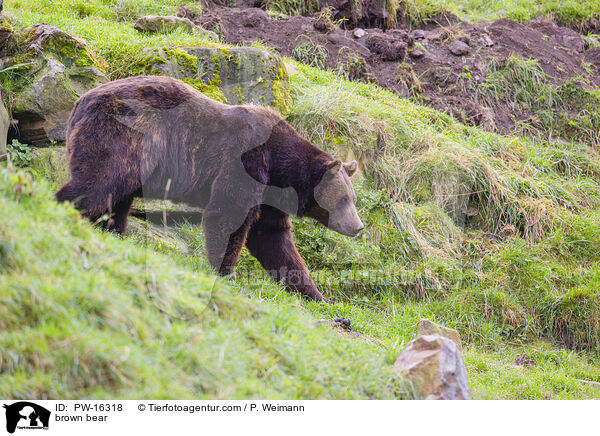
(87, 314)
(107, 27)
(415, 12)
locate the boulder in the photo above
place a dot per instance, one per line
(433, 364)
(50, 73)
(427, 327)
(235, 76)
(166, 24)
(51, 163)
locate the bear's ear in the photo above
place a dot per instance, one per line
(351, 168)
(334, 167)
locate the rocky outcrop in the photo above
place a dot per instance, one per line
(434, 366)
(49, 74)
(166, 24)
(235, 76)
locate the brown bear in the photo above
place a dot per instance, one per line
(246, 167)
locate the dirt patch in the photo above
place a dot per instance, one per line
(448, 66)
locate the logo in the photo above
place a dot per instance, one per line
(26, 415)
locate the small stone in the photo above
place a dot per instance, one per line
(459, 48)
(358, 33)
(434, 365)
(166, 24)
(418, 34)
(417, 54)
(427, 327)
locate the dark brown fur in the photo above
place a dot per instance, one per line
(138, 136)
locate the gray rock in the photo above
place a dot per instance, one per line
(459, 48)
(358, 33)
(417, 54)
(57, 69)
(435, 367)
(235, 76)
(4, 125)
(166, 24)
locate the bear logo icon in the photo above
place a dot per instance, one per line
(24, 414)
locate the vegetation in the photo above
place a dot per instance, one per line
(86, 314)
(495, 236)
(571, 12)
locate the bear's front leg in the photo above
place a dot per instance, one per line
(270, 241)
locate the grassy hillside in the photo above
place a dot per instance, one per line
(86, 314)
(495, 236)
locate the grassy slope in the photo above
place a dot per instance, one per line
(506, 298)
(86, 314)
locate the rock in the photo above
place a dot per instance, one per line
(417, 54)
(427, 327)
(459, 48)
(166, 24)
(387, 47)
(51, 163)
(358, 33)
(51, 73)
(418, 34)
(339, 39)
(234, 76)
(4, 125)
(465, 39)
(434, 365)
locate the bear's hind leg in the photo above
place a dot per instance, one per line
(223, 246)
(68, 192)
(118, 221)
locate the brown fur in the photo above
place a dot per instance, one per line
(244, 165)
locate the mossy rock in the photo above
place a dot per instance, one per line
(51, 163)
(241, 75)
(45, 77)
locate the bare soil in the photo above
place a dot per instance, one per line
(427, 63)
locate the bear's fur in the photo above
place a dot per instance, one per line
(246, 167)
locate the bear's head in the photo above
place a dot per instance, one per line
(334, 199)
